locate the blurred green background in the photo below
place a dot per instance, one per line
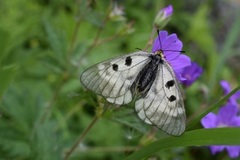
(46, 44)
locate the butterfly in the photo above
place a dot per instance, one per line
(146, 77)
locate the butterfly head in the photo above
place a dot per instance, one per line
(160, 54)
(160, 51)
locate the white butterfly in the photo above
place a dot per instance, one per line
(149, 78)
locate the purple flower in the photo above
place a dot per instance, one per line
(227, 89)
(191, 73)
(226, 117)
(163, 16)
(171, 46)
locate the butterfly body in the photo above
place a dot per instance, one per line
(147, 76)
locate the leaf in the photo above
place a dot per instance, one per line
(57, 42)
(4, 45)
(22, 136)
(130, 120)
(200, 137)
(231, 39)
(6, 74)
(200, 24)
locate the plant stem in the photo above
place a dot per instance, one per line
(95, 41)
(48, 108)
(75, 31)
(73, 39)
(83, 135)
(150, 40)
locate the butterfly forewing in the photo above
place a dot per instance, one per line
(113, 78)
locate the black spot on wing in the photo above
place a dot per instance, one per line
(172, 98)
(115, 67)
(128, 61)
(169, 84)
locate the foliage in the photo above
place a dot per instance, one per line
(46, 45)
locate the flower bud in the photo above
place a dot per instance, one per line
(163, 17)
(117, 13)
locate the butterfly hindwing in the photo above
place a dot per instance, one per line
(163, 105)
(113, 78)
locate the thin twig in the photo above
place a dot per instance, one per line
(50, 104)
(108, 39)
(150, 40)
(95, 41)
(83, 135)
(115, 36)
(74, 37)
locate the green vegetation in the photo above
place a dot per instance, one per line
(45, 46)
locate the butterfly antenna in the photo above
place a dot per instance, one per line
(161, 44)
(138, 49)
(176, 51)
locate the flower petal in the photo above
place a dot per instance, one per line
(191, 73)
(226, 113)
(168, 11)
(237, 94)
(215, 149)
(209, 121)
(226, 86)
(172, 47)
(179, 76)
(157, 44)
(234, 98)
(179, 62)
(233, 151)
(235, 122)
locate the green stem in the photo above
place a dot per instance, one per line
(150, 40)
(83, 135)
(48, 108)
(95, 41)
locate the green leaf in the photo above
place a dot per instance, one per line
(231, 39)
(129, 120)
(200, 31)
(209, 109)
(4, 39)
(57, 43)
(200, 137)
(6, 74)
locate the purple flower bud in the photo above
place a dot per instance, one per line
(168, 11)
(163, 17)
